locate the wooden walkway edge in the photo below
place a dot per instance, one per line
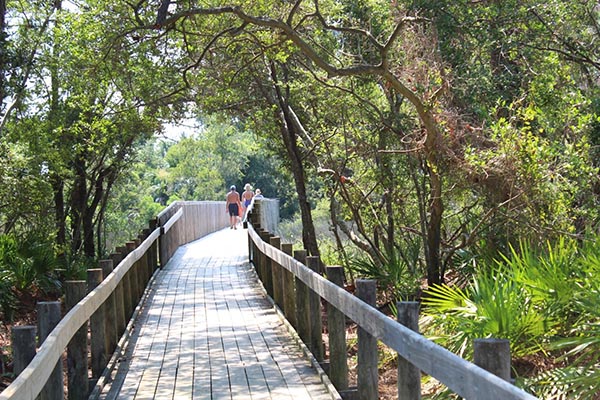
(207, 331)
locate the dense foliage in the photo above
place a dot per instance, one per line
(448, 149)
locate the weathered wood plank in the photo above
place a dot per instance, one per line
(208, 331)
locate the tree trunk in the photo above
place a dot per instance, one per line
(89, 246)
(78, 204)
(290, 138)
(434, 228)
(3, 55)
(58, 182)
(308, 229)
(59, 210)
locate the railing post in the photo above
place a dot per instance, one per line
(257, 259)
(77, 350)
(162, 246)
(97, 328)
(127, 294)
(336, 326)
(23, 346)
(276, 274)
(120, 306)
(140, 272)
(133, 278)
(366, 290)
(266, 264)
(289, 292)
(255, 214)
(147, 257)
(49, 315)
(409, 376)
(314, 304)
(493, 355)
(110, 312)
(153, 251)
(145, 261)
(250, 247)
(302, 308)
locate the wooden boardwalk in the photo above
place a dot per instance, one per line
(207, 331)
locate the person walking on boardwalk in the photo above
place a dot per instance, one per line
(233, 206)
(247, 196)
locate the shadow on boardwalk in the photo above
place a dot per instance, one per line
(206, 331)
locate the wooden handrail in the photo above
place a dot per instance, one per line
(462, 377)
(30, 382)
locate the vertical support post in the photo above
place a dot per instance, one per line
(97, 328)
(133, 279)
(127, 294)
(409, 376)
(367, 382)
(302, 308)
(336, 326)
(276, 274)
(153, 251)
(289, 292)
(255, 253)
(493, 355)
(314, 304)
(162, 246)
(255, 215)
(120, 306)
(49, 316)
(145, 261)
(23, 346)
(257, 259)
(250, 246)
(140, 269)
(77, 350)
(109, 312)
(266, 263)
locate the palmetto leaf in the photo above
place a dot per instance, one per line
(566, 383)
(449, 300)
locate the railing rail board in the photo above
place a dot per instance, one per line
(462, 377)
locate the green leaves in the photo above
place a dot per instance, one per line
(202, 166)
(394, 276)
(492, 306)
(544, 300)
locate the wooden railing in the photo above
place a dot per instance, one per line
(110, 303)
(296, 286)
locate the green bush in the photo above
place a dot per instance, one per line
(543, 300)
(395, 276)
(492, 306)
(26, 266)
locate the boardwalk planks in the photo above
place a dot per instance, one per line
(207, 330)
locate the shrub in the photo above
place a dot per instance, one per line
(26, 266)
(494, 305)
(395, 276)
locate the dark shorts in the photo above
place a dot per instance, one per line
(233, 210)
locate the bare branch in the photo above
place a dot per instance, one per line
(290, 17)
(356, 31)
